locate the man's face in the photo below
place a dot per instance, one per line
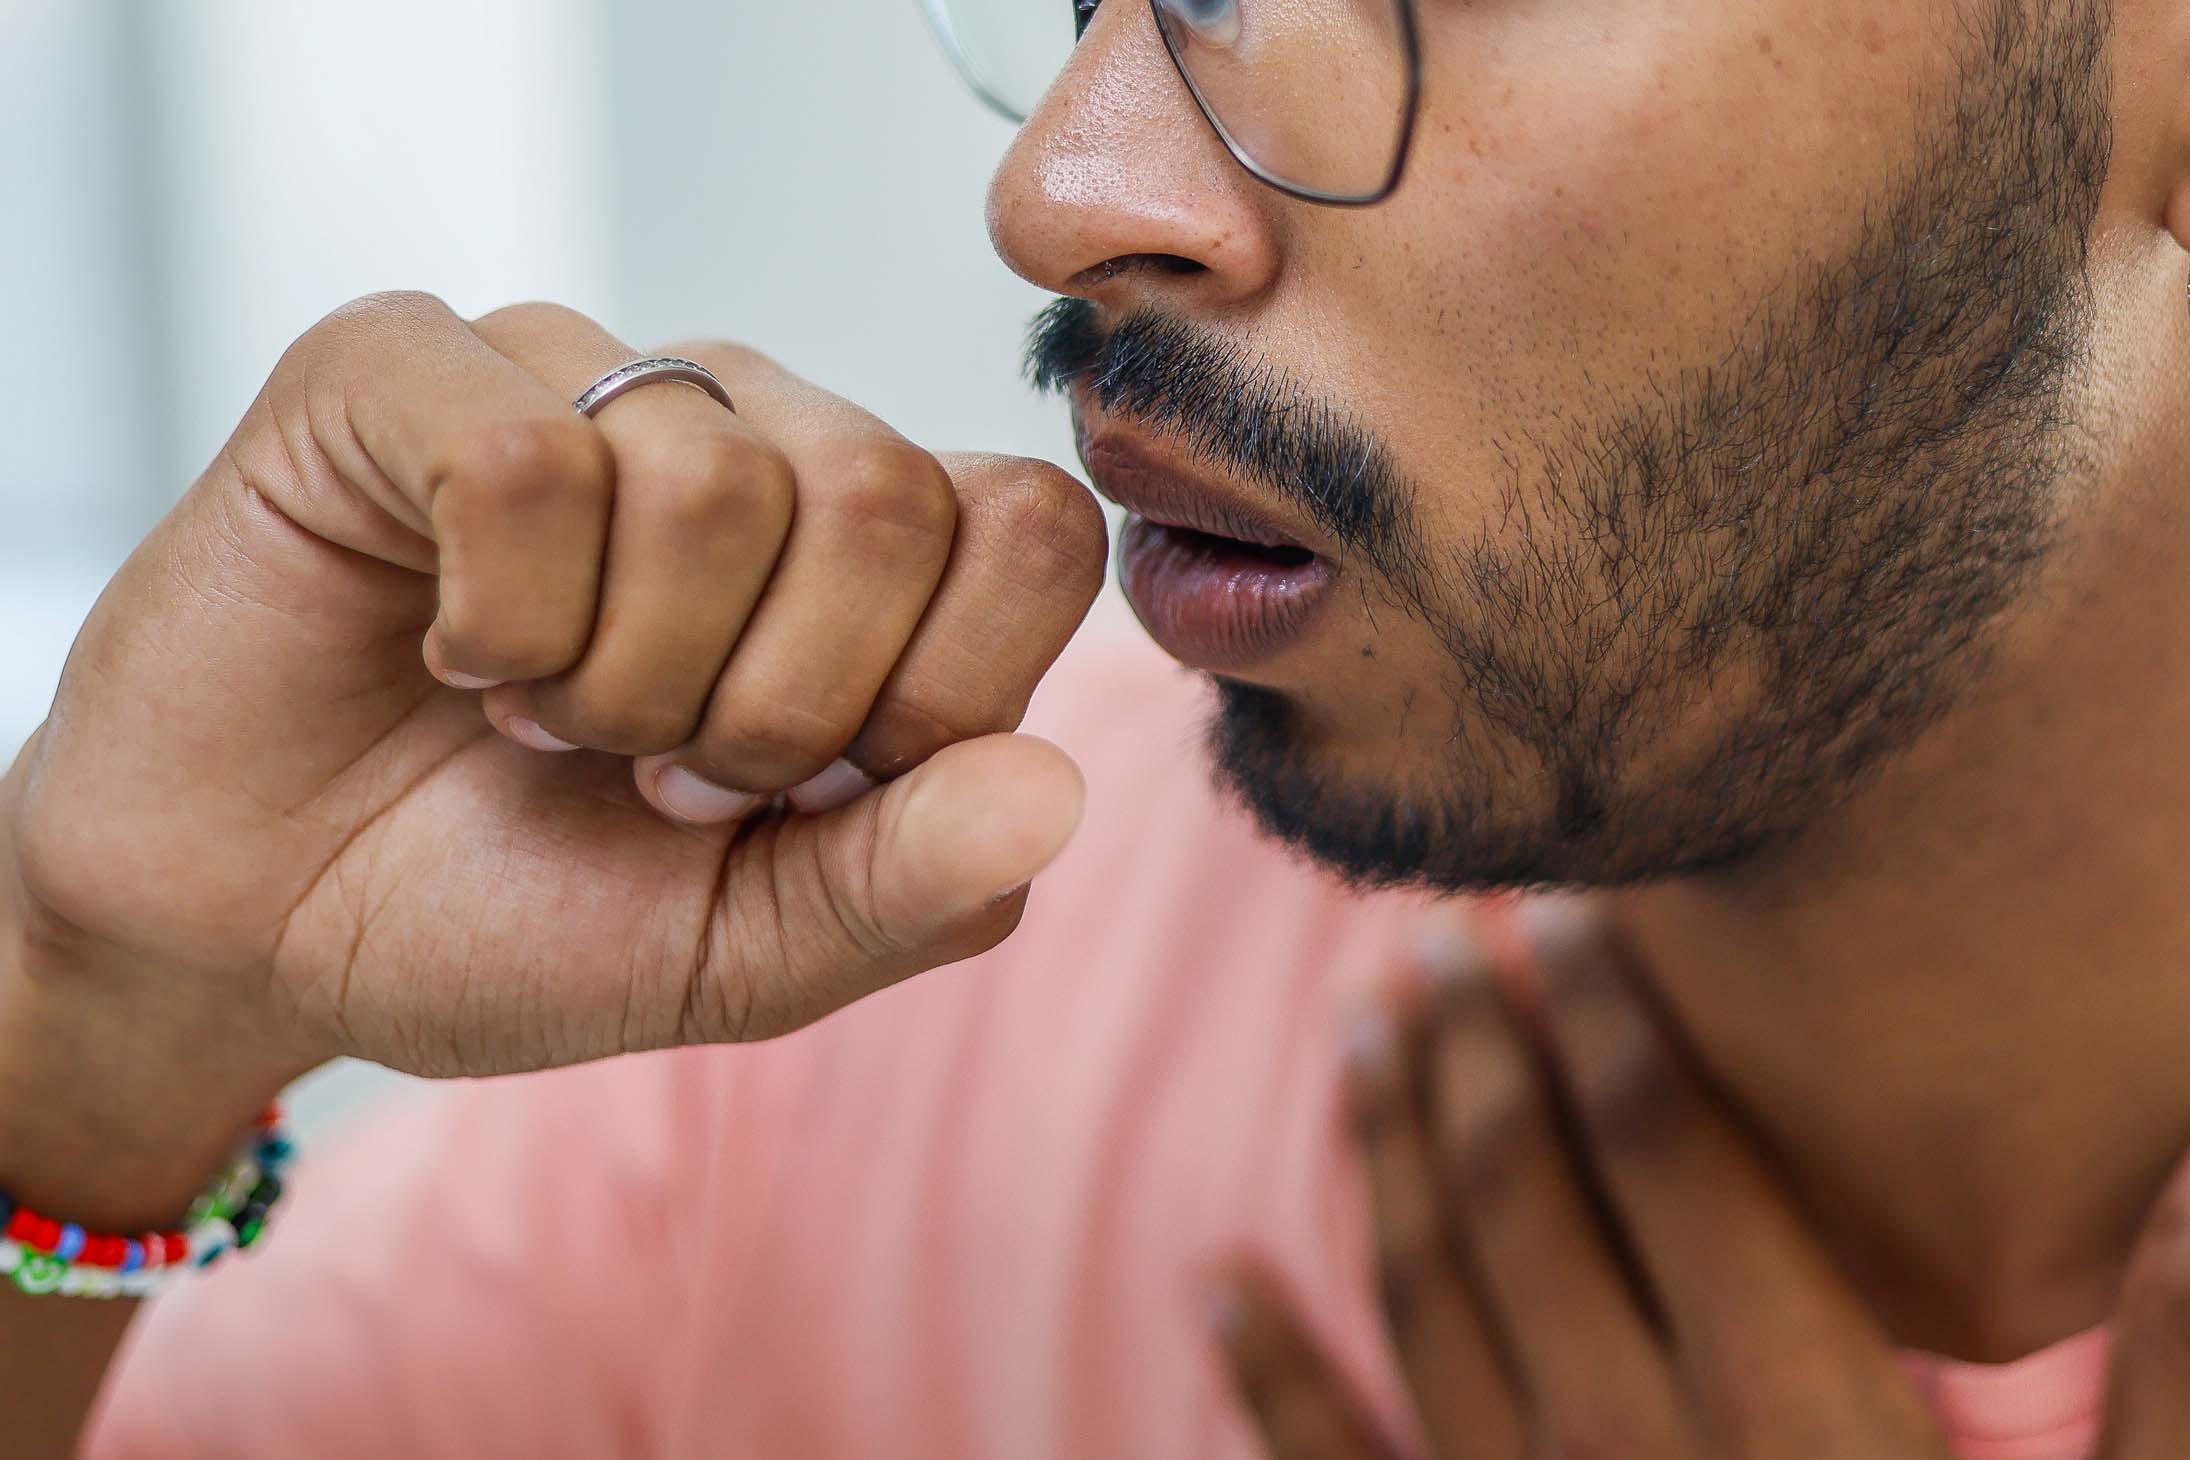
(1671, 439)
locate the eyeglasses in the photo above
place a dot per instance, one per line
(1317, 98)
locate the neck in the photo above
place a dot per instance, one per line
(1957, 1015)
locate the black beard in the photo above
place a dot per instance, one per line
(1833, 518)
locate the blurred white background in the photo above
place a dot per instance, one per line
(191, 183)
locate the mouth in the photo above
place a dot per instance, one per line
(1219, 583)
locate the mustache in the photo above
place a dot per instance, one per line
(1235, 412)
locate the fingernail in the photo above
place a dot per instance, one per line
(699, 801)
(529, 733)
(1556, 922)
(1448, 951)
(1372, 1044)
(454, 680)
(840, 784)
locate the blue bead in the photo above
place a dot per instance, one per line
(71, 1243)
(273, 1151)
(133, 1256)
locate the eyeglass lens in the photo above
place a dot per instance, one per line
(1311, 94)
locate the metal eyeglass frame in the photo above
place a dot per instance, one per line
(939, 21)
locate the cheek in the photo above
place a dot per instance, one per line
(1600, 197)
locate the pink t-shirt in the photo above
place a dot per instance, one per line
(965, 1220)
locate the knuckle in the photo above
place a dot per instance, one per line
(534, 317)
(519, 467)
(893, 489)
(1055, 529)
(771, 744)
(722, 482)
(403, 314)
(400, 309)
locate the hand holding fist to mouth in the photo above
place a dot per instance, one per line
(430, 726)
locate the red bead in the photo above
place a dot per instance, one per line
(106, 1251)
(175, 1248)
(22, 1224)
(46, 1235)
(150, 1242)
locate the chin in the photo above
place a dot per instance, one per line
(1467, 822)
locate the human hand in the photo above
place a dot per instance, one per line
(1580, 1255)
(262, 787)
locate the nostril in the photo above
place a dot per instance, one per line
(1171, 263)
(1155, 263)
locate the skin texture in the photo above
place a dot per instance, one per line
(1609, 199)
(1660, 616)
(273, 819)
(1580, 1253)
(268, 821)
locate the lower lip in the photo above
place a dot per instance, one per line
(1212, 605)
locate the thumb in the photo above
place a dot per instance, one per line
(922, 871)
(2148, 1399)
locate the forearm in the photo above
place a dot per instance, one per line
(114, 1111)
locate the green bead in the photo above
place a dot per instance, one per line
(40, 1273)
(248, 1233)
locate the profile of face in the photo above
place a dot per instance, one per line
(1677, 435)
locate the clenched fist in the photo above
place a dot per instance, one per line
(443, 726)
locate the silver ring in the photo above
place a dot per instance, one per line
(650, 372)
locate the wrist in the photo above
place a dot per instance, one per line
(116, 1106)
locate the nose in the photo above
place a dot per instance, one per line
(1116, 188)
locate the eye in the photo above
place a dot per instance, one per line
(1216, 22)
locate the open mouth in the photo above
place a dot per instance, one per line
(1233, 551)
(1218, 580)
(1219, 603)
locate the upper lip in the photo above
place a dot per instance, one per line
(1135, 478)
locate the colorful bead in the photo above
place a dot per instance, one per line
(42, 1255)
(39, 1273)
(209, 1240)
(89, 1282)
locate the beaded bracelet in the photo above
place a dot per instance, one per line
(44, 1256)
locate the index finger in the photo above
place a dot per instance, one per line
(1026, 562)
